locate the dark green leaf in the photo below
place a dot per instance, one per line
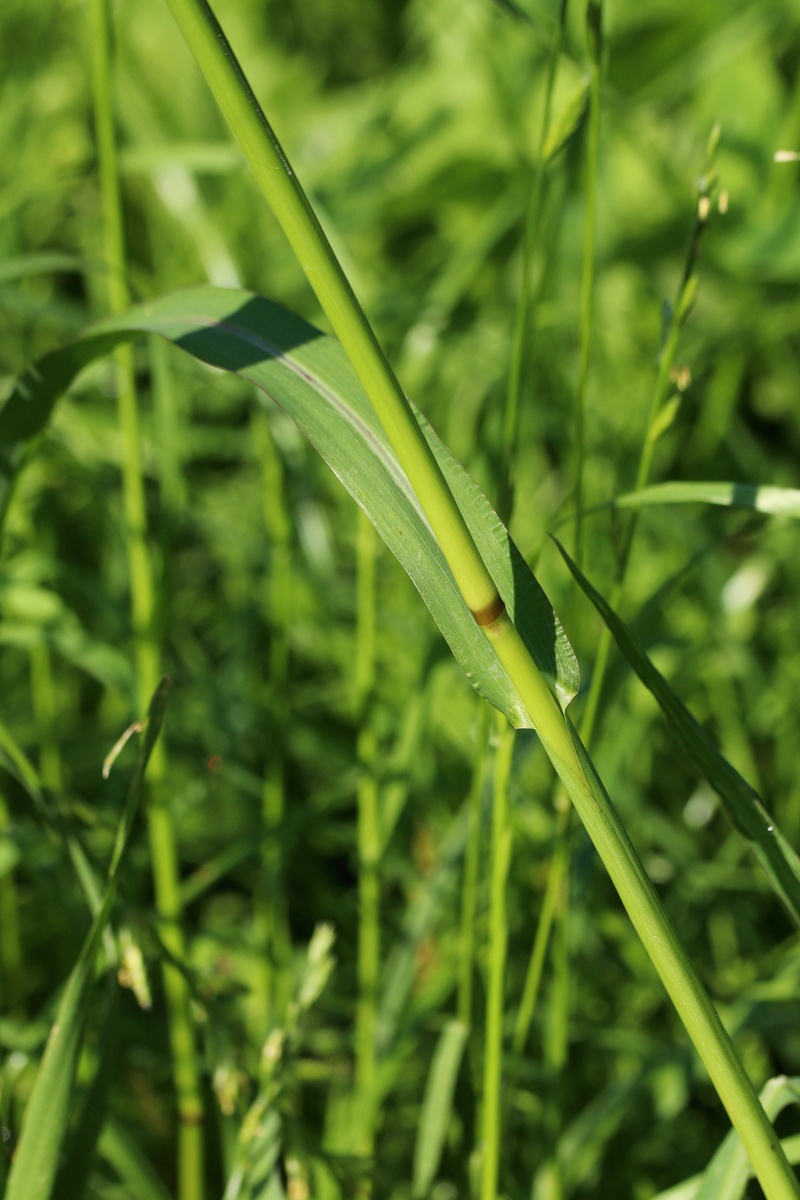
(742, 804)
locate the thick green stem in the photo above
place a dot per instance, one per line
(162, 841)
(649, 918)
(315, 255)
(271, 168)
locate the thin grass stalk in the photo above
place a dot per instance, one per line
(561, 742)
(676, 319)
(369, 844)
(469, 887)
(556, 1049)
(11, 957)
(500, 857)
(147, 656)
(524, 332)
(271, 921)
(558, 910)
(594, 28)
(524, 316)
(533, 978)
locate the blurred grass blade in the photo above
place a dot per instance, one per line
(47, 1116)
(437, 1106)
(761, 497)
(308, 375)
(741, 802)
(74, 1172)
(12, 269)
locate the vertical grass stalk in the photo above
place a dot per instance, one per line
(566, 752)
(369, 843)
(147, 665)
(271, 923)
(11, 957)
(556, 906)
(500, 857)
(469, 887)
(594, 14)
(676, 318)
(524, 322)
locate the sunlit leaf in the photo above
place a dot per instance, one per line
(307, 374)
(763, 498)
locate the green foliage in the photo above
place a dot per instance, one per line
(415, 129)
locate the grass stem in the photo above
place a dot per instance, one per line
(369, 842)
(469, 888)
(272, 931)
(147, 657)
(500, 857)
(594, 18)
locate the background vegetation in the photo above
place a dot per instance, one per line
(414, 127)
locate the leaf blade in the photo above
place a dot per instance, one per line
(778, 501)
(741, 802)
(437, 1106)
(307, 374)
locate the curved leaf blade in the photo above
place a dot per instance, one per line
(740, 801)
(307, 374)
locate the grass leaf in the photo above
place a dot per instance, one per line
(761, 497)
(741, 802)
(437, 1106)
(47, 1116)
(307, 374)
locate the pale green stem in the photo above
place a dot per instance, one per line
(162, 842)
(500, 856)
(273, 173)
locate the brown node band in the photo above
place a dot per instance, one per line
(489, 613)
